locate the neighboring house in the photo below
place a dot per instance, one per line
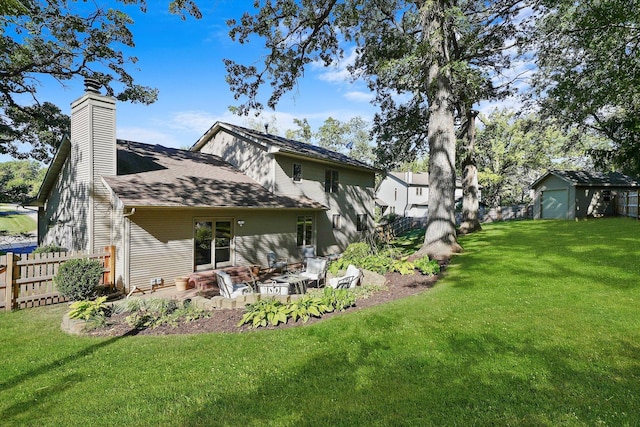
(578, 194)
(406, 194)
(237, 195)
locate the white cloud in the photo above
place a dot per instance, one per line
(149, 136)
(337, 73)
(358, 96)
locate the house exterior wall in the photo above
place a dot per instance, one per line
(553, 183)
(77, 213)
(394, 193)
(63, 219)
(161, 240)
(246, 155)
(274, 171)
(355, 197)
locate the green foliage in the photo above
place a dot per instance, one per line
(20, 180)
(265, 312)
(272, 312)
(427, 266)
(58, 39)
(402, 266)
(78, 279)
(87, 309)
(154, 312)
(380, 261)
(587, 74)
(49, 249)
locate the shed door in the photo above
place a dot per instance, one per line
(554, 204)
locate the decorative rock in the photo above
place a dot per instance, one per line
(72, 326)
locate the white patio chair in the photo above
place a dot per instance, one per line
(316, 270)
(228, 289)
(308, 252)
(350, 279)
(276, 263)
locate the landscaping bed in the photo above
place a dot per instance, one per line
(226, 321)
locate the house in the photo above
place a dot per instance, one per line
(235, 196)
(406, 194)
(560, 194)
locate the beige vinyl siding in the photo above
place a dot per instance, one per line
(64, 221)
(161, 240)
(246, 155)
(160, 245)
(104, 164)
(355, 196)
(79, 178)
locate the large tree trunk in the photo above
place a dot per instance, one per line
(470, 192)
(440, 237)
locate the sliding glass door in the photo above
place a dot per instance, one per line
(213, 243)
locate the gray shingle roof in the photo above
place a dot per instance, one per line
(286, 146)
(152, 175)
(593, 179)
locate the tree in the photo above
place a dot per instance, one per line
(419, 57)
(303, 133)
(351, 138)
(20, 180)
(589, 73)
(61, 40)
(515, 150)
(470, 189)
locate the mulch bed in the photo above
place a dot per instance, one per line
(226, 321)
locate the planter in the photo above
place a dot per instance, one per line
(182, 283)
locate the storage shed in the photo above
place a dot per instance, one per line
(578, 194)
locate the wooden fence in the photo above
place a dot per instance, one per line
(27, 280)
(627, 204)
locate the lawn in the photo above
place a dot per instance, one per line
(535, 324)
(15, 223)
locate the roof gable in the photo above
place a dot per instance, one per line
(278, 144)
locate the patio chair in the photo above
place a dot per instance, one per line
(308, 252)
(350, 279)
(276, 263)
(316, 270)
(228, 289)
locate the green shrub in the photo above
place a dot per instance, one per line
(154, 312)
(402, 266)
(78, 279)
(272, 312)
(427, 266)
(265, 312)
(87, 310)
(48, 249)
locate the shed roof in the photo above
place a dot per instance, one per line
(278, 144)
(591, 179)
(157, 176)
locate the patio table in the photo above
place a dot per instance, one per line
(295, 281)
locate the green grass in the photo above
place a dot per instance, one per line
(535, 324)
(16, 223)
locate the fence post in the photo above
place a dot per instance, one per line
(112, 265)
(10, 294)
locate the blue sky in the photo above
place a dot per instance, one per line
(183, 59)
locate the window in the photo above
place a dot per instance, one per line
(297, 172)
(304, 234)
(336, 221)
(361, 225)
(418, 191)
(392, 209)
(395, 194)
(331, 181)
